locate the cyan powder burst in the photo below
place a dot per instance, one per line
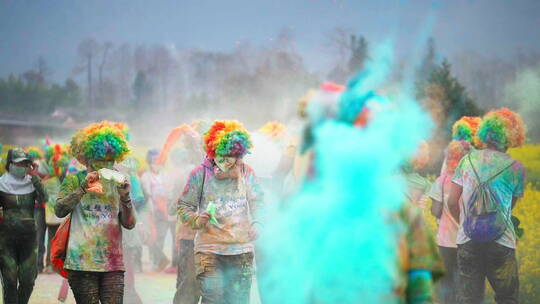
(332, 242)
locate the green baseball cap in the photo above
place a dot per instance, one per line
(18, 155)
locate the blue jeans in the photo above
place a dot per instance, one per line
(224, 279)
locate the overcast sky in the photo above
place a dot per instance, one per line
(53, 28)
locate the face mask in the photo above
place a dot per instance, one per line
(100, 164)
(225, 163)
(17, 171)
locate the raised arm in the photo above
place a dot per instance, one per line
(41, 193)
(71, 192)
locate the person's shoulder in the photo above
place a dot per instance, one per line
(518, 166)
(197, 171)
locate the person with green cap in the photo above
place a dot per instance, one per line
(20, 190)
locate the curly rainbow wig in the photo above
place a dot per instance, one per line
(502, 128)
(227, 138)
(454, 153)
(101, 141)
(57, 159)
(466, 128)
(34, 153)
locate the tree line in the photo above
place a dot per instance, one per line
(264, 81)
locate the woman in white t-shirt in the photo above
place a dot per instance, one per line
(447, 225)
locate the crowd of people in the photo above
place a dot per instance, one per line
(97, 207)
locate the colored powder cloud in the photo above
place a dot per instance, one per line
(331, 242)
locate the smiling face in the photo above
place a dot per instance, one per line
(225, 163)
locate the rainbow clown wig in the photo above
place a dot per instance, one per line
(502, 129)
(34, 153)
(57, 159)
(454, 153)
(226, 138)
(101, 141)
(466, 128)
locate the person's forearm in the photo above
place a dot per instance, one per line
(64, 205)
(41, 193)
(128, 217)
(188, 216)
(453, 200)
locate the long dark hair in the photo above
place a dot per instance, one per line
(9, 159)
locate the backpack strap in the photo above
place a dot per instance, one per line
(202, 188)
(491, 178)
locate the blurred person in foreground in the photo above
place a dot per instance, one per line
(349, 205)
(220, 201)
(419, 263)
(98, 201)
(486, 186)
(20, 190)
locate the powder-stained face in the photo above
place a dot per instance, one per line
(225, 163)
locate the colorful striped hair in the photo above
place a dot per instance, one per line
(101, 141)
(466, 129)
(502, 128)
(34, 153)
(454, 153)
(57, 158)
(226, 138)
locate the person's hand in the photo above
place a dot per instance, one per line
(204, 218)
(33, 169)
(253, 234)
(123, 190)
(92, 177)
